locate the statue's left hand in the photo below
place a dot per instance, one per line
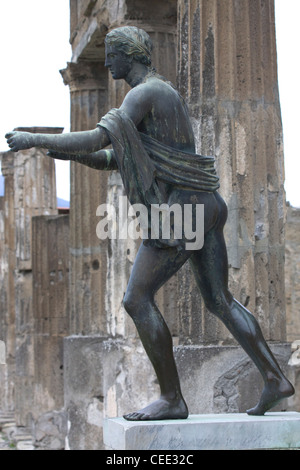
(19, 140)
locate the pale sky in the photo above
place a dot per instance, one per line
(34, 38)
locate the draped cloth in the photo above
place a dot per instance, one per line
(146, 164)
(143, 162)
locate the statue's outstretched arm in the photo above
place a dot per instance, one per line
(136, 104)
(101, 160)
(71, 143)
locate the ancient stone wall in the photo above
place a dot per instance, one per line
(31, 378)
(50, 302)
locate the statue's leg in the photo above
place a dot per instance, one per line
(152, 268)
(211, 272)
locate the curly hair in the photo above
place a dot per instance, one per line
(131, 41)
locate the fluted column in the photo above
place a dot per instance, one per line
(7, 312)
(227, 70)
(50, 305)
(88, 88)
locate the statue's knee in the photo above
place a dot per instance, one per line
(130, 303)
(127, 303)
(135, 303)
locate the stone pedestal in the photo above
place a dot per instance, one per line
(105, 377)
(233, 431)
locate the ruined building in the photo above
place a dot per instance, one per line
(72, 354)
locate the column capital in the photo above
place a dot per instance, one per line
(84, 76)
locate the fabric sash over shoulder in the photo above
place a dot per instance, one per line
(144, 163)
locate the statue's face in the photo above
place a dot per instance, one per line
(118, 63)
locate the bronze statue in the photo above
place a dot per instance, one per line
(154, 150)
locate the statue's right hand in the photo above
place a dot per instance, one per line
(58, 155)
(19, 140)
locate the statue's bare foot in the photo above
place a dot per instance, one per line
(274, 391)
(160, 409)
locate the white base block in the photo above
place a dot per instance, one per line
(233, 431)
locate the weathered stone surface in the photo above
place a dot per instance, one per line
(103, 378)
(32, 376)
(294, 374)
(227, 71)
(292, 270)
(216, 379)
(205, 432)
(292, 273)
(91, 20)
(50, 273)
(29, 190)
(3, 377)
(2, 353)
(107, 378)
(50, 431)
(7, 299)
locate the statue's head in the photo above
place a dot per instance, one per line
(129, 42)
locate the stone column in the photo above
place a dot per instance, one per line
(7, 311)
(3, 308)
(30, 189)
(50, 301)
(292, 271)
(227, 71)
(88, 88)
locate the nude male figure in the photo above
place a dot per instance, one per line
(157, 110)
